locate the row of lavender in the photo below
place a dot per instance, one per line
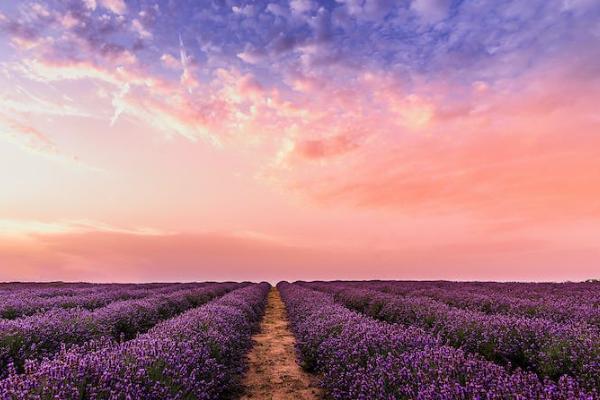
(585, 290)
(20, 303)
(526, 290)
(555, 309)
(43, 335)
(51, 287)
(361, 358)
(197, 355)
(565, 305)
(68, 289)
(40, 291)
(548, 348)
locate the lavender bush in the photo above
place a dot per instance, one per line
(360, 358)
(43, 334)
(197, 355)
(548, 348)
(559, 305)
(27, 302)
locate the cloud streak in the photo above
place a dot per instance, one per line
(213, 256)
(35, 142)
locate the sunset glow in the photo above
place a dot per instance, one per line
(160, 140)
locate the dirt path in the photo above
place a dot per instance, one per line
(273, 372)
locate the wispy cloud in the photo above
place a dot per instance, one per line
(22, 101)
(27, 228)
(32, 140)
(115, 6)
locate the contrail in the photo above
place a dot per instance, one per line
(186, 78)
(182, 53)
(119, 104)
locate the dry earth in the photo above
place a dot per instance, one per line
(273, 373)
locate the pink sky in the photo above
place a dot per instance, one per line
(196, 158)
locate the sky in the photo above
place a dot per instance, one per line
(145, 140)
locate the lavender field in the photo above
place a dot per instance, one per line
(441, 340)
(302, 340)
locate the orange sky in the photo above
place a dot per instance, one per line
(192, 157)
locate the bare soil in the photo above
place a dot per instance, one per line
(273, 372)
